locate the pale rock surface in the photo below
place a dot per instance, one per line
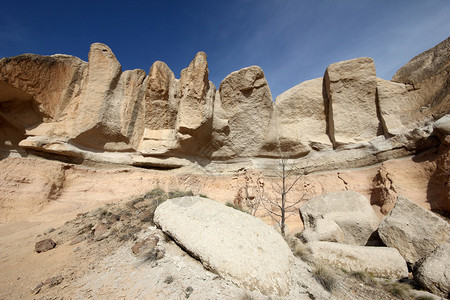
(384, 193)
(434, 272)
(98, 119)
(400, 109)
(161, 104)
(194, 123)
(35, 90)
(380, 261)
(245, 109)
(351, 90)
(298, 123)
(442, 128)
(131, 91)
(350, 211)
(51, 81)
(323, 230)
(412, 230)
(427, 75)
(236, 245)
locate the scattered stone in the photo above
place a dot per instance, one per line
(414, 231)
(50, 230)
(44, 245)
(153, 254)
(344, 217)
(102, 236)
(77, 240)
(37, 288)
(189, 291)
(169, 279)
(434, 272)
(52, 281)
(146, 244)
(379, 261)
(236, 245)
(99, 229)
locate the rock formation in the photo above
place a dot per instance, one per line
(413, 230)
(433, 271)
(343, 217)
(94, 111)
(351, 89)
(381, 262)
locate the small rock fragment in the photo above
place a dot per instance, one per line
(44, 245)
(169, 279)
(52, 281)
(189, 291)
(77, 240)
(37, 288)
(50, 230)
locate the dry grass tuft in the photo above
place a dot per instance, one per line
(178, 194)
(365, 277)
(398, 289)
(300, 250)
(325, 276)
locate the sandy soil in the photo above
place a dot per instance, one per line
(37, 194)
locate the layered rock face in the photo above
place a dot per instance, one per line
(61, 105)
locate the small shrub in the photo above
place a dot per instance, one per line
(247, 296)
(152, 254)
(135, 201)
(147, 216)
(365, 277)
(177, 194)
(301, 251)
(103, 213)
(85, 228)
(229, 204)
(157, 192)
(398, 289)
(203, 196)
(325, 277)
(129, 232)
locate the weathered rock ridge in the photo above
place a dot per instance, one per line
(93, 110)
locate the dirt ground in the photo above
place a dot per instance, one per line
(37, 194)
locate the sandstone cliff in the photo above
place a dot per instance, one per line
(93, 110)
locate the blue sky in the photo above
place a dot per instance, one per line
(291, 40)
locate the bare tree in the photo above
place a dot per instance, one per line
(288, 175)
(252, 193)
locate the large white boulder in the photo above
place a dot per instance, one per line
(412, 230)
(236, 245)
(344, 217)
